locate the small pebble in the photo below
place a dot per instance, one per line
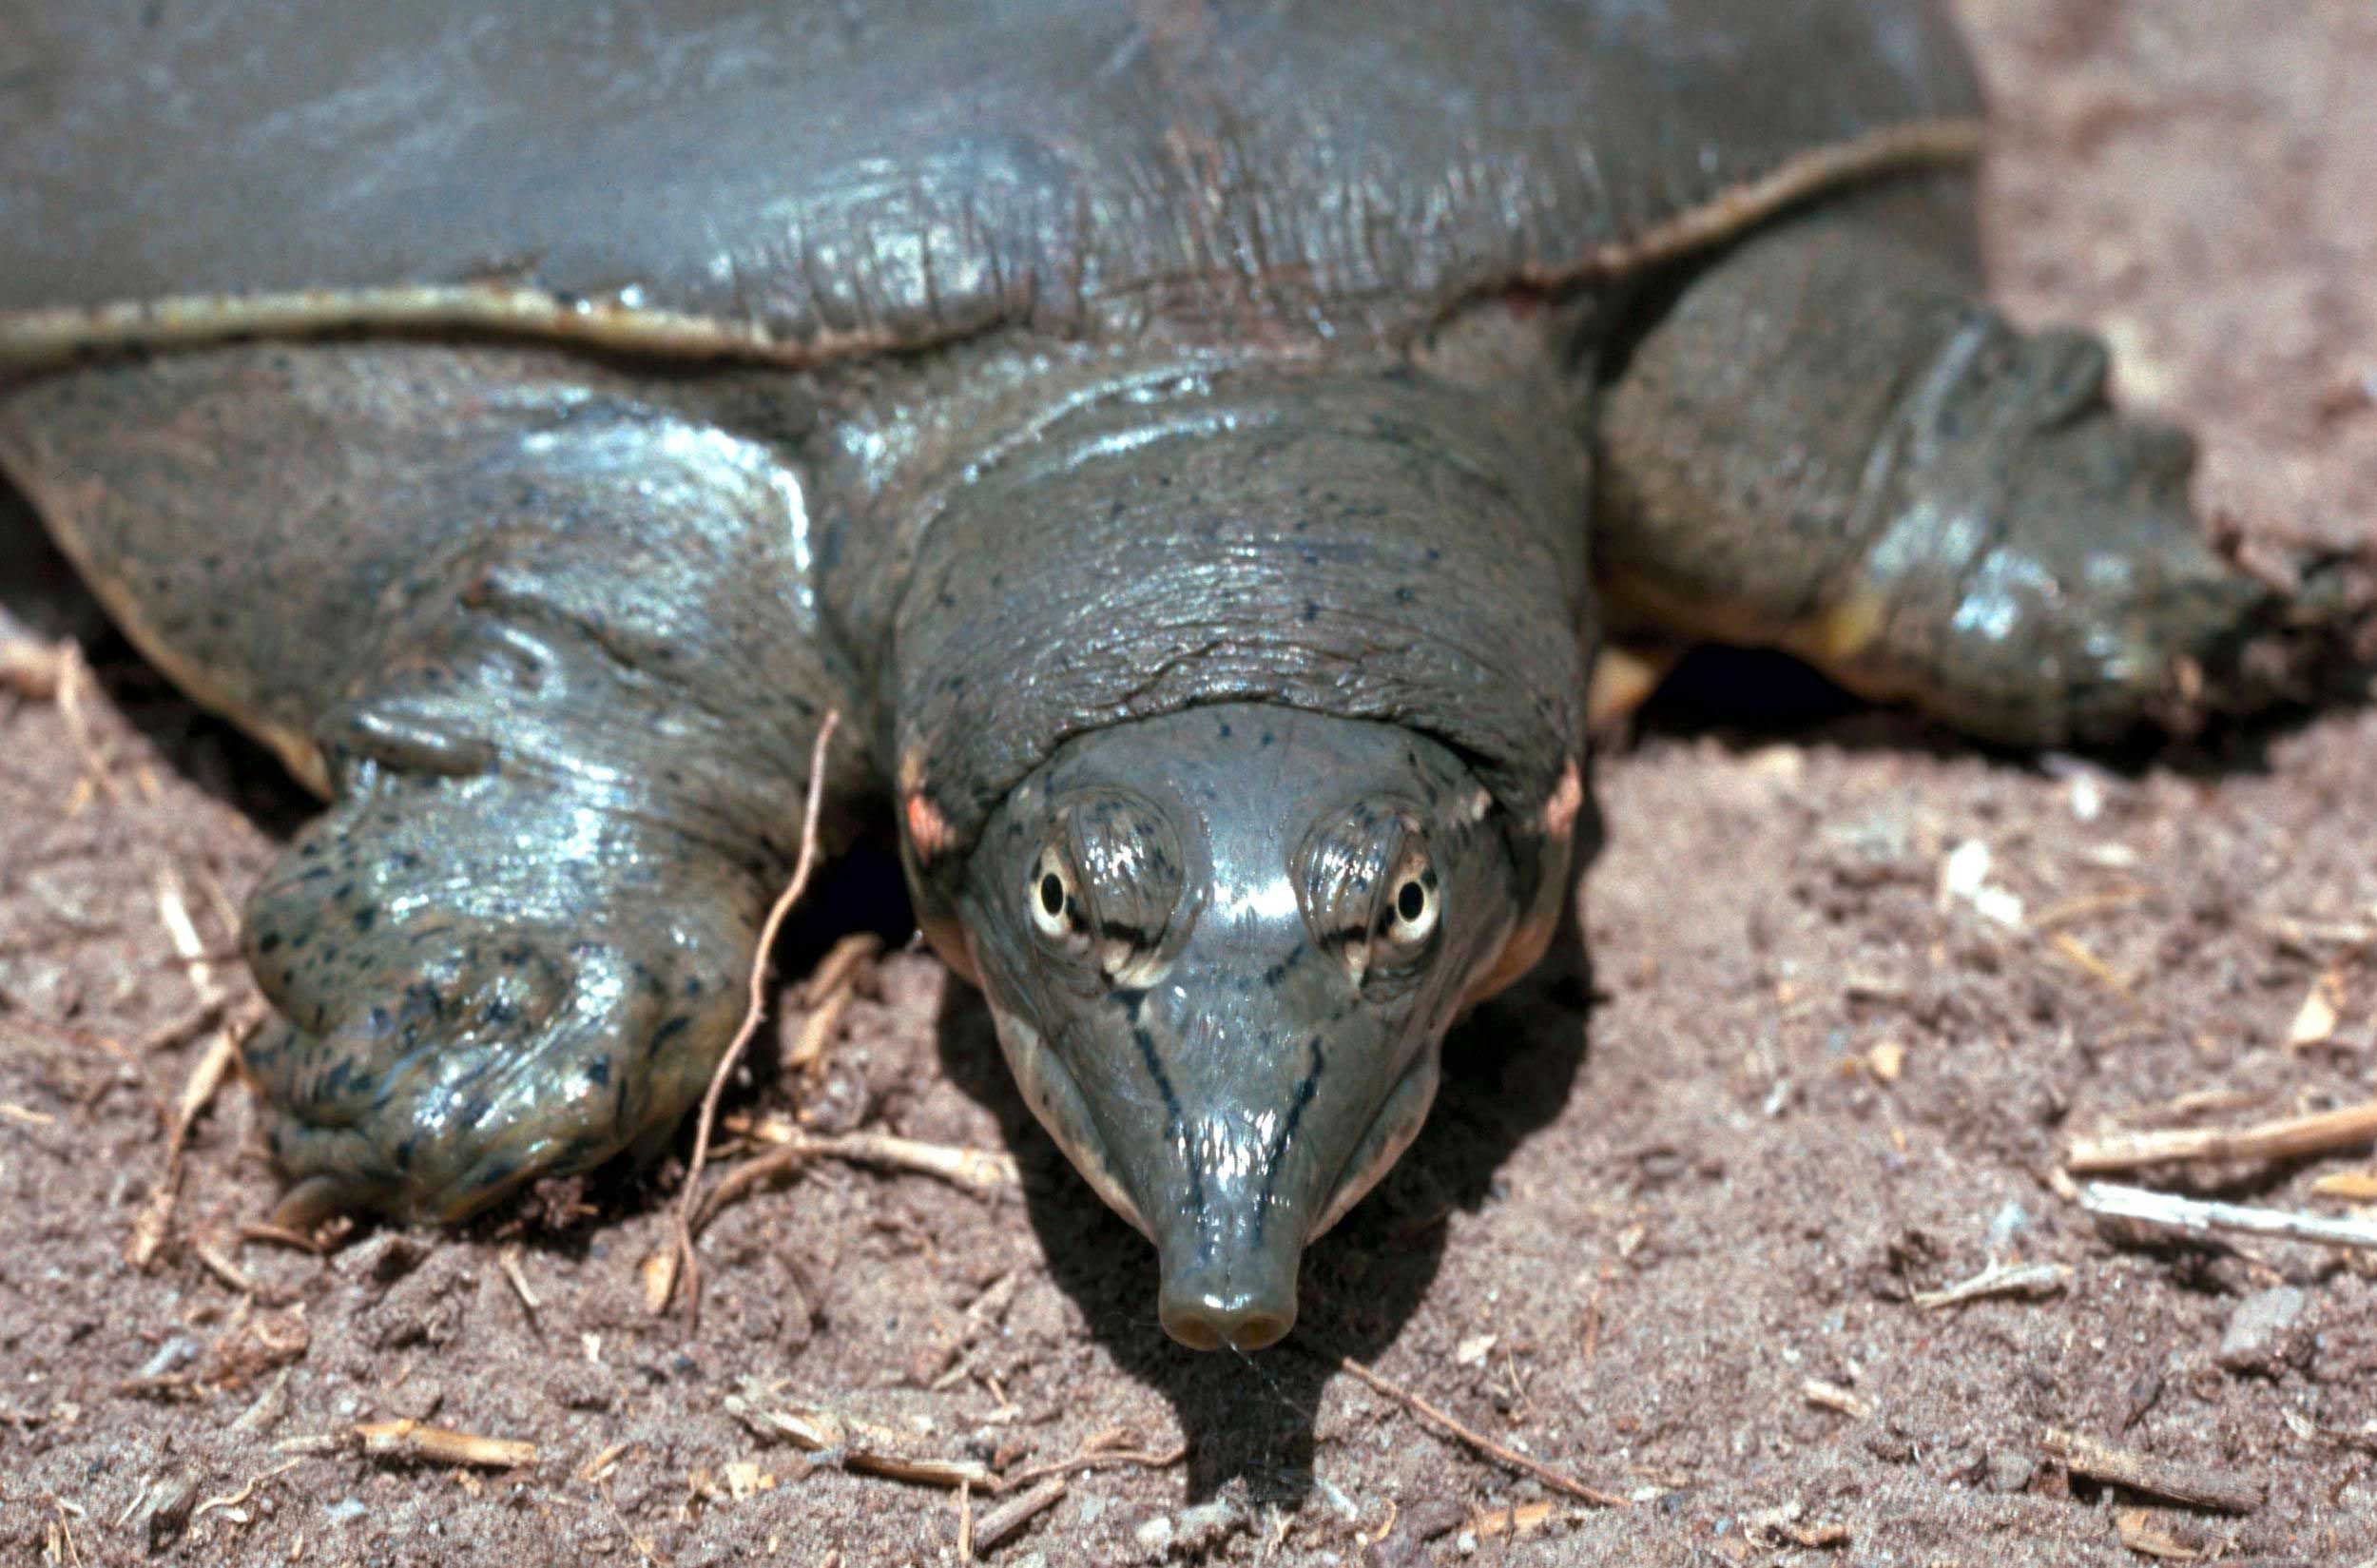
(2009, 1470)
(2262, 1333)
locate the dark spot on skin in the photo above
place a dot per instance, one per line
(1404, 595)
(365, 916)
(598, 1072)
(268, 942)
(1312, 611)
(671, 1030)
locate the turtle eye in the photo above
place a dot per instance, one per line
(1370, 890)
(1055, 900)
(1412, 903)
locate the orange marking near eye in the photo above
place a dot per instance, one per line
(1568, 798)
(928, 830)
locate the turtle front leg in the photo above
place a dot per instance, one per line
(1824, 443)
(484, 980)
(566, 781)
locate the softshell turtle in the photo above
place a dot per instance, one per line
(1192, 445)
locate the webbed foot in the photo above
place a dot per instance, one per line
(486, 980)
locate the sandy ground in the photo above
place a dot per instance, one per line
(1663, 1234)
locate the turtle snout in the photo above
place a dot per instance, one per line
(1242, 1303)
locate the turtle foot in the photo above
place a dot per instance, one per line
(463, 1012)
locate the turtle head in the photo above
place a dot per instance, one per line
(1223, 947)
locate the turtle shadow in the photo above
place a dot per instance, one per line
(1250, 1418)
(42, 596)
(1747, 699)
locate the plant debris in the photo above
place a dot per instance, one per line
(1999, 1279)
(2199, 1485)
(412, 1440)
(854, 1443)
(2294, 1138)
(2168, 1212)
(683, 1267)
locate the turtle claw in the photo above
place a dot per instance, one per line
(313, 1200)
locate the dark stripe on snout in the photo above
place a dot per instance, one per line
(1173, 1129)
(1305, 1091)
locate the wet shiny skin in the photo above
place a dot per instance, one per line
(1223, 947)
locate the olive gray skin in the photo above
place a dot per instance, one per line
(1222, 947)
(533, 430)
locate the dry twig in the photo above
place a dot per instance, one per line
(1999, 1279)
(149, 1227)
(33, 670)
(994, 1529)
(73, 676)
(2200, 1485)
(2291, 1137)
(861, 1445)
(439, 1445)
(509, 1260)
(173, 912)
(976, 1170)
(2351, 1185)
(235, 1498)
(220, 1265)
(1565, 1484)
(1098, 1459)
(2198, 1217)
(1832, 1396)
(686, 1269)
(2136, 1529)
(828, 993)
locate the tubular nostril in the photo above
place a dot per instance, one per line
(1208, 1322)
(1258, 1329)
(1192, 1329)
